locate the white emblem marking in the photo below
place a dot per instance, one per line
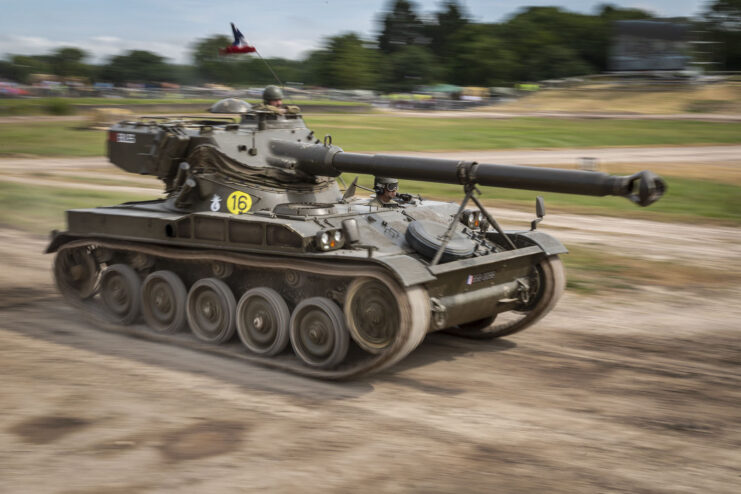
(215, 202)
(126, 138)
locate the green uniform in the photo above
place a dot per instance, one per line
(291, 109)
(377, 203)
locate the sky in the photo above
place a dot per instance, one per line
(278, 28)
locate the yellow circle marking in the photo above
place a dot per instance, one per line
(238, 202)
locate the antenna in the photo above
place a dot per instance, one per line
(270, 68)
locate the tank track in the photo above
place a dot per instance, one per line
(413, 305)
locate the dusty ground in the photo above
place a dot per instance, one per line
(625, 391)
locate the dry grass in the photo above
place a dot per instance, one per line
(727, 173)
(594, 270)
(711, 98)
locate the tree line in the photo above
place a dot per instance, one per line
(410, 49)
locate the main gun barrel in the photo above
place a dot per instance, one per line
(643, 188)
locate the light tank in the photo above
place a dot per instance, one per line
(255, 237)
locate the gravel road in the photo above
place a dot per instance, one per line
(625, 391)
(628, 391)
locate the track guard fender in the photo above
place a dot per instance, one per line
(550, 245)
(58, 239)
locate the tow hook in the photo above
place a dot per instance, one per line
(523, 291)
(439, 313)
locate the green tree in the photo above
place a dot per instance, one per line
(443, 33)
(136, 66)
(345, 62)
(316, 68)
(69, 61)
(20, 67)
(550, 42)
(210, 66)
(722, 19)
(482, 57)
(401, 27)
(411, 66)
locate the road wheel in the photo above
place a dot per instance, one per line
(318, 333)
(120, 289)
(163, 302)
(262, 321)
(76, 273)
(211, 310)
(372, 314)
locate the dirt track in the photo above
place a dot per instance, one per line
(628, 391)
(632, 391)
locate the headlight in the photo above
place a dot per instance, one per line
(472, 219)
(328, 240)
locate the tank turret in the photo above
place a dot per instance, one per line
(255, 238)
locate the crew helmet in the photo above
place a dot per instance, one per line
(271, 93)
(385, 183)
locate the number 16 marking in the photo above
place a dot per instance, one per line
(239, 202)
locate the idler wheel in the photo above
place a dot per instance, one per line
(318, 333)
(547, 284)
(76, 273)
(372, 314)
(163, 298)
(426, 238)
(211, 310)
(120, 289)
(262, 321)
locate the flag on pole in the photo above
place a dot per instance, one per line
(239, 45)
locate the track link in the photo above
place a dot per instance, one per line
(414, 308)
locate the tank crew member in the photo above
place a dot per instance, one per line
(272, 100)
(386, 189)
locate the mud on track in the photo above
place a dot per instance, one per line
(632, 391)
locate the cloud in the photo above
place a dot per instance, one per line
(106, 39)
(25, 45)
(286, 48)
(100, 48)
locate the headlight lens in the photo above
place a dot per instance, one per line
(472, 219)
(331, 239)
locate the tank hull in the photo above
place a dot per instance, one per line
(257, 252)
(469, 289)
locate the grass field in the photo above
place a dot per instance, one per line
(38, 209)
(692, 197)
(634, 97)
(70, 106)
(382, 132)
(388, 133)
(50, 139)
(695, 201)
